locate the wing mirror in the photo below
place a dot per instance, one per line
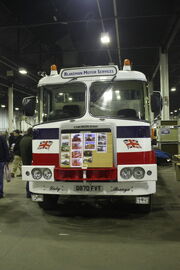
(29, 105)
(156, 103)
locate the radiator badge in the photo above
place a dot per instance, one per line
(132, 143)
(45, 145)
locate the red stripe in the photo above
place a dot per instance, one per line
(122, 158)
(46, 159)
(136, 158)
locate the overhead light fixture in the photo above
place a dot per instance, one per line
(105, 39)
(16, 109)
(175, 111)
(3, 106)
(173, 89)
(22, 71)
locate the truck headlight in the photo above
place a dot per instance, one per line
(36, 173)
(138, 173)
(126, 173)
(47, 174)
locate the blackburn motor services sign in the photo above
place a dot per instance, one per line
(88, 72)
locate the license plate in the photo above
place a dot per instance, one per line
(88, 188)
(142, 200)
(37, 197)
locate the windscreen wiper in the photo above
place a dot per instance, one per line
(104, 89)
(72, 79)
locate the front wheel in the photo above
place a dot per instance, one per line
(49, 202)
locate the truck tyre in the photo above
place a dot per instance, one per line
(49, 202)
(145, 208)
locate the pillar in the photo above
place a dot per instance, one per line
(164, 82)
(10, 109)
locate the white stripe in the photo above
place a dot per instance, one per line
(145, 144)
(53, 149)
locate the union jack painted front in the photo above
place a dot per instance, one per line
(131, 148)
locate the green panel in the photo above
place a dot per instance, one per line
(170, 148)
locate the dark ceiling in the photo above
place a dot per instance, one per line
(37, 34)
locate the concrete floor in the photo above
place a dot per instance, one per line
(106, 237)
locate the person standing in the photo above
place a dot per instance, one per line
(17, 162)
(4, 158)
(26, 153)
(11, 141)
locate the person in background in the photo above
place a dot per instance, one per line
(11, 141)
(26, 153)
(4, 158)
(17, 162)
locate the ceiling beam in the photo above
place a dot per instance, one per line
(10, 64)
(170, 36)
(174, 29)
(117, 34)
(7, 26)
(103, 29)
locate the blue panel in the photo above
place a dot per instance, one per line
(133, 132)
(46, 133)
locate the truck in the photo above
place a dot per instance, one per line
(93, 136)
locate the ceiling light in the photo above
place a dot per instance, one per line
(173, 89)
(23, 71)
(105, 39)
(175, 110)
(16, 109)
(3, 106)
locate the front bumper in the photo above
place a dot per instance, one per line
(94, 189)
(132, 186)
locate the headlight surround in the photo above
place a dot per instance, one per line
(126, 173)
(138, 172)
(36, 173)
(47, 174)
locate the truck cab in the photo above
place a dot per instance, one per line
(93, 136)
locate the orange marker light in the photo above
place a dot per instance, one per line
(127, 62)
(53, 70)
(127, 65)
(53, 67)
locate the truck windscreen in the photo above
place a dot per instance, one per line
(64, 101)
(119, 99)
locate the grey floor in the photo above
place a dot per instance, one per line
(84, 236)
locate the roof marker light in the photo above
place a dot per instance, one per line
(53, 70)
(127, 65)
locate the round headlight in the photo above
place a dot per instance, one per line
(126, 173)
(138, 173)
(36, 173)
(47, 174)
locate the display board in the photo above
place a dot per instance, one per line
(86, 149)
